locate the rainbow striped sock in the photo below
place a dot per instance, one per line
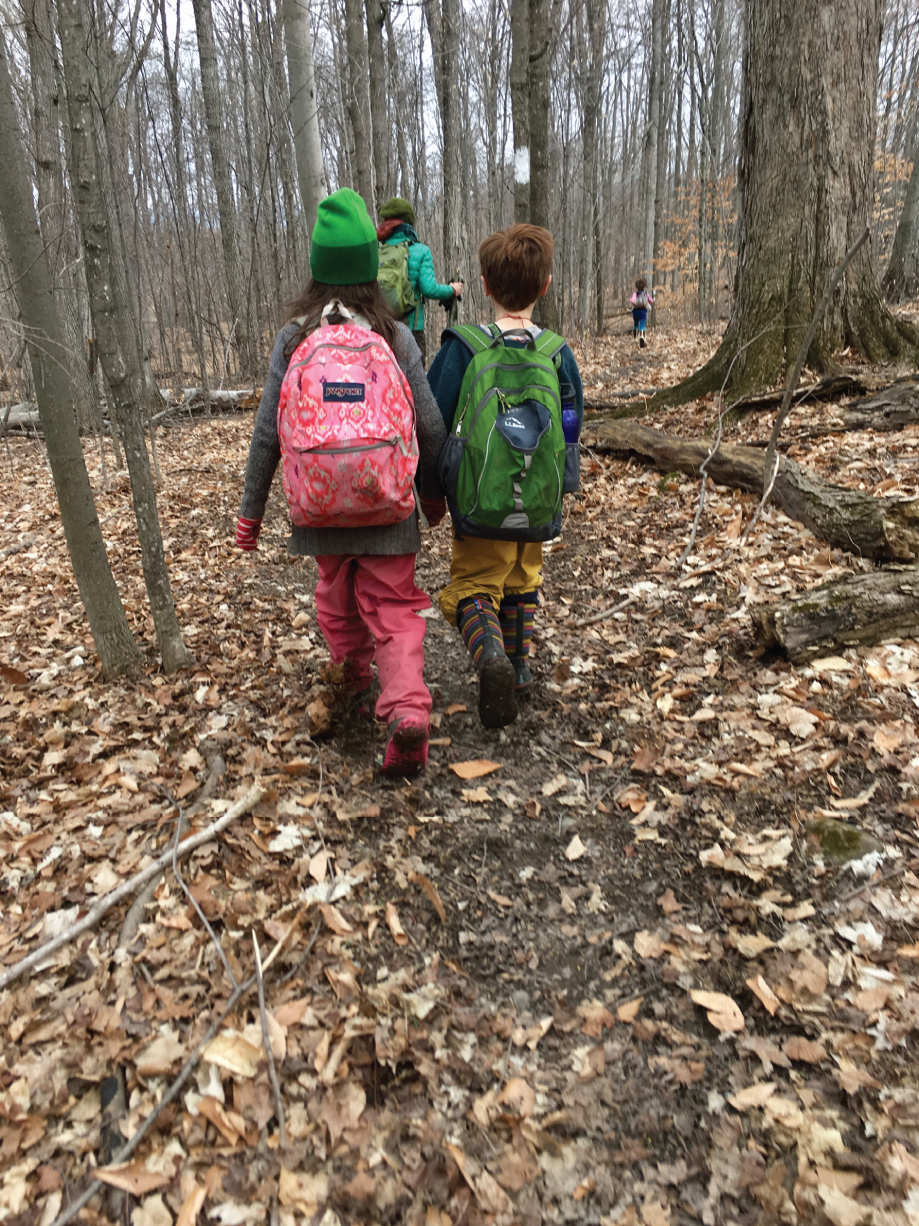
(480, 627)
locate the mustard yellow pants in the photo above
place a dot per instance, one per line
(490, 568)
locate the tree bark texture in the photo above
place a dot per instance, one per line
(807, 130)
(543, 24)
(51, 201)
(223, 187)
(593, 81)
(358, 99)
(31, 261)
(863, 609)
(451, 119)
(380, 125)
(891, 408)
(520, 106)
(304, 111)
(649, 167)
(114, 340)
(880, 529)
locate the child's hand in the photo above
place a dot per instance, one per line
(434, 510)
(247, 531)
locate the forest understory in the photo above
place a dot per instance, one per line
(647, 956)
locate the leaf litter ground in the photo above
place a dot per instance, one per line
(609, 965)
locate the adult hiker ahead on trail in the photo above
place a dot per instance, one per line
(407, 269)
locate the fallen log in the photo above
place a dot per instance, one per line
(24, 417)
(876, 528)
(891, 408)
(826, 389)
(20, 417)
(192, 401)
(863, 609)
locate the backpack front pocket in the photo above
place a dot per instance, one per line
(523, 425)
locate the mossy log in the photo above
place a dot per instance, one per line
(877, 528)
(862, 609)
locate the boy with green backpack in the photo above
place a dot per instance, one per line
(511, 398)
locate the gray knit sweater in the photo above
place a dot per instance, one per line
(265, 455)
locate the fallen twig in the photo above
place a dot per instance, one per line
(599, 617)
(171, 1094)
(266, 1040)
(868, 885)
(249, 801)
(135, 915)
(197, 906)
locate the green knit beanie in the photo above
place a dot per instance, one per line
(344, 250)
(399, 207)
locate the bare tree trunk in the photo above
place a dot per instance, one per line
(392, 62)
(50, 197)
(304, 110)
(901, 280)
(796, 228)
(652, 137)
(454, 178)
(542, 42)
(520, 103)
(114, 340)
(179, 197)
(31, 261)
(359, 99)
(379, 103)
(223, 187)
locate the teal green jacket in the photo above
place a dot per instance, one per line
(421, 275)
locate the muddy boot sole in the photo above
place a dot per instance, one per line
(497, 697)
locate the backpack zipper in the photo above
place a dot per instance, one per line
(383, 442)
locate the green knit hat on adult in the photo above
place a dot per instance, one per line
(399, 207)
(344, 250)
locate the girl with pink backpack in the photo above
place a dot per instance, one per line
(348, 413)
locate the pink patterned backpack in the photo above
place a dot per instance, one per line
(346, 424)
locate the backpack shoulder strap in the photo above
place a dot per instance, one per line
(550, 344)
(473, 336)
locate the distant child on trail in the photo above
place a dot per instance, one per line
(640, 301)
(397, 231)
(348, 412)
(511, 398)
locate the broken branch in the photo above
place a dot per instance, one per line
(92, 918)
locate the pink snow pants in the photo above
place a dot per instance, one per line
(367, 608)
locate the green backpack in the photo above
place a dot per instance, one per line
(503, 464)
(394, 280)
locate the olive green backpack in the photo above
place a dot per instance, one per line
(394, 281)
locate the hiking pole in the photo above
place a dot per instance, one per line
(453, 308)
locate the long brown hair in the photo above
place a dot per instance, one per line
(366, 299)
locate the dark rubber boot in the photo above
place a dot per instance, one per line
(517, 613)
(481, 630)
